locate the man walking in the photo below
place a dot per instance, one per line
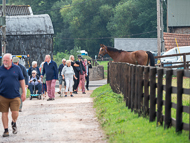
(24, 72)
(11, 78)
(50, 69)
(60, 76)
(88, 65)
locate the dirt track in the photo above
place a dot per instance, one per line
(62, 120)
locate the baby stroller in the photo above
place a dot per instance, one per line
(38, 96)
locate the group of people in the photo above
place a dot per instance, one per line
(13, 93)
(74, 70)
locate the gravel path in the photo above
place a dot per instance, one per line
(62, 120)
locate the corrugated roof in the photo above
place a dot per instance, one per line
(178, 13)
(14, 10)
(29, 25)
(182, 40)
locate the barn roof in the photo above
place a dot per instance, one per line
(29, 25)
(182, 40)
(15, 10)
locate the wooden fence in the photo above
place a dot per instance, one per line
(143, 93)
(185, 64)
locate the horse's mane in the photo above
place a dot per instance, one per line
(114, 49)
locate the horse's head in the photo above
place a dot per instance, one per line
(103, 51)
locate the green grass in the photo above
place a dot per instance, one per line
(105, 65)
(28, 93)
(122, 125)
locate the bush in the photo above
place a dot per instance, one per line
(60, 55)
(87, 57)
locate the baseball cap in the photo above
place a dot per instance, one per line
(15, 59)
(79, 56)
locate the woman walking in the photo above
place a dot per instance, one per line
(68, 74)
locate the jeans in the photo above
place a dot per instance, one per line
(37, 87)
(76, 82)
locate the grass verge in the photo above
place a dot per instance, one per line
(122, 125)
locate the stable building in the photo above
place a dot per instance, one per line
(178, 24)
(28, 34)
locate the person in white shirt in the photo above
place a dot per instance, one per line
(35, 80)
(68, 74)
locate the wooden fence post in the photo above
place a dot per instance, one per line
(136, 89)
(122, 77)
(167, 119)
(184, 60)
(140, 90)
(146, 91)
(113, 77)
(118, 77)
(152, 113)
(129, 86)
(108, 77)
(159, 97)
(179, 100)
(132, 87)
(127, 82)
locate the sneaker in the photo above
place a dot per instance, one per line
(74, 92)
(83, 93)
(50, 99)
(20, 110)
(72, 95)
(59, 92)
(65, 95)
(14, 128)
(5, 134)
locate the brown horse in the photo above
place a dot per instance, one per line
(139, 57)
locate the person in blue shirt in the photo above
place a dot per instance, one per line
(11, 78)
(50, 69)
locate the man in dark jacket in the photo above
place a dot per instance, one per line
(24, 72)
(88, 65)
(50, 69)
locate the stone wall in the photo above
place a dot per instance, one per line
(96, 73)
(37, 46)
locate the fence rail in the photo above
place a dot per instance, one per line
(143, 87)
(184, 63)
